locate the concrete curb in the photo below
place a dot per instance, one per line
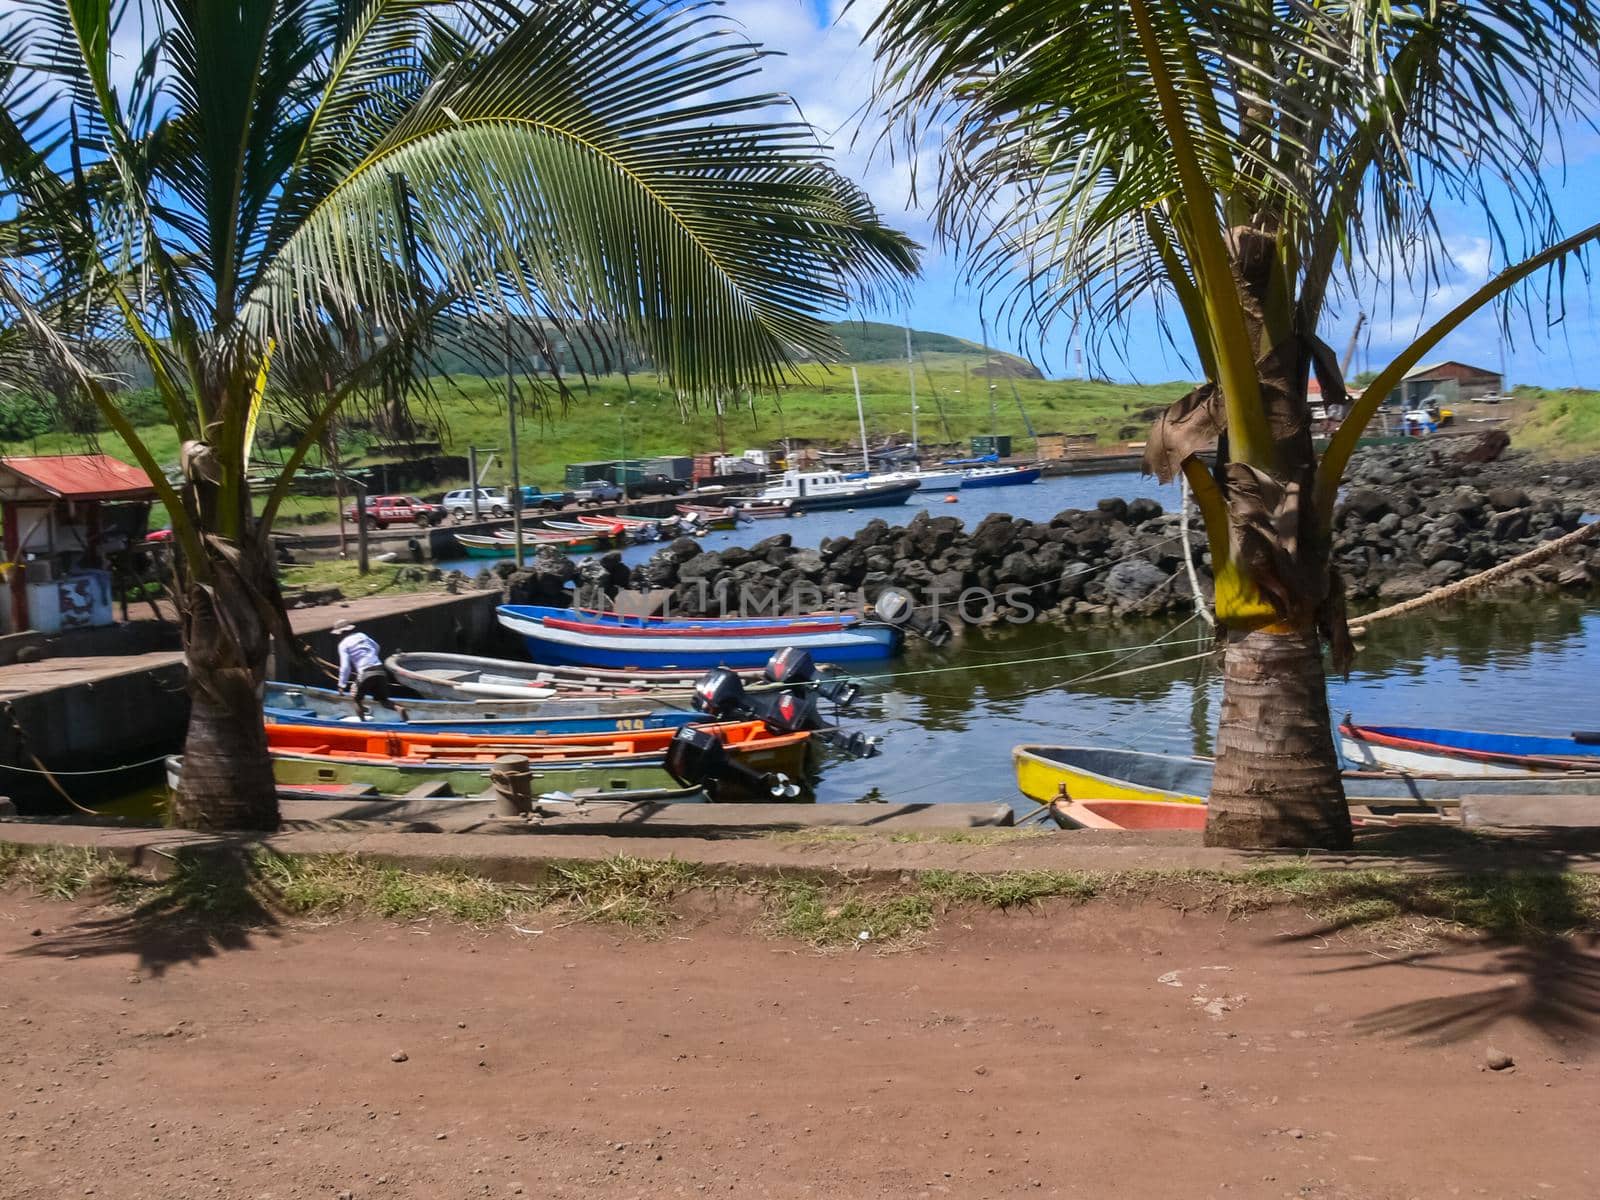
(524, 857)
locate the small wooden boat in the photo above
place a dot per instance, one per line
(494, 546)
(398, 762)
(708, 517)
(1462, 753)
(468, 677)
(423, 716)
(586, 527)
(981, 477)
(626, 520)
(1128, 814)
(1050, 773)
(569, 700)
(765, 512)
(442, 789)
(551, 635)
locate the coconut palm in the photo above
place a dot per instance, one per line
(245, 192)
(1233, 164)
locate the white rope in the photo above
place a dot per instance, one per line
(102, 771)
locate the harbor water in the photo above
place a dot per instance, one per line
(949, 717)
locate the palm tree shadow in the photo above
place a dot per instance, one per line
(1508, 928)
(212, 903)
(1552, 987)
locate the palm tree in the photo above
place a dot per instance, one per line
(1232, 163)
(249, 192)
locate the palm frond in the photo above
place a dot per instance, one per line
(585, 168)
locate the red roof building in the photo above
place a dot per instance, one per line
(65, 516)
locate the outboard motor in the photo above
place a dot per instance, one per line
(696, 756)
(792, 665)
(721, 695)
(895, 607)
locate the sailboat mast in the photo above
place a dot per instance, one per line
(861, 419)
(988, 379)
(911, 374)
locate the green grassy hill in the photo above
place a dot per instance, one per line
(615, 417)
(1558, 422)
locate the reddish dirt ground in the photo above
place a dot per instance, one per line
(1085, 1052)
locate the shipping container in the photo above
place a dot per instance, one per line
(578, 473)
(986, 443)
(673, 466)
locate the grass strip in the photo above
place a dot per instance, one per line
(643, 894)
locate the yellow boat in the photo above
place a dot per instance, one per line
(1050, 773)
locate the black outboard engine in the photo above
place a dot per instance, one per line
(792, 665)
(721, 695)
(895, 607)
(696, 756)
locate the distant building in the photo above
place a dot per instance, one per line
(1449, 382)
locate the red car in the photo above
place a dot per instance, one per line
(383, 511)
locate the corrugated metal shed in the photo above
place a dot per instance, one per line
(73, 477)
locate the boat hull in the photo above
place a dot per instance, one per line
(885, 496)
(1075, 773)
(1465, 754)
(1002, 478)
(453, 707)
(1128, 814)
(597, 647)
(458, 677)
(399, 762)
(707, 519)
(379, 722)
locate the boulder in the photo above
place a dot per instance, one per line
(1502, 499)
(1366, 504)
(1128, 583)
(1141, 510)
(1114, 507)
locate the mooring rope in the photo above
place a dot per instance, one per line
(1482, 579)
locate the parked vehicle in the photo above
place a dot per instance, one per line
(382, 511)
(491, 503)
(656, 485)
(596, 491)
(534, 497)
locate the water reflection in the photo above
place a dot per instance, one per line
(952, 716)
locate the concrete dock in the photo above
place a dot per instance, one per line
(84, 716)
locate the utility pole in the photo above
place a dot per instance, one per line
(362, 563)
(472, 473)
(516, 477)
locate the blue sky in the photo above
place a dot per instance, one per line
(829, 73)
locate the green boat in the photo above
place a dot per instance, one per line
(396, 778)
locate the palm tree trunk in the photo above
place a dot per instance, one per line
(1277, 776)
(227, 781)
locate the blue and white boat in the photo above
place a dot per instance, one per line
(553, 635)
(980, 477)
(1462, 753)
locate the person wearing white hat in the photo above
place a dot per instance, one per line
(361, 670)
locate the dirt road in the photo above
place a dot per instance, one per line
(1080, 1052)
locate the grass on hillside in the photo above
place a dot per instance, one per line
(1562, 423)
(613, 417)
(1402, 907)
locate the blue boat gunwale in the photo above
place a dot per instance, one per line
(604, 621)
(1471, 743)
